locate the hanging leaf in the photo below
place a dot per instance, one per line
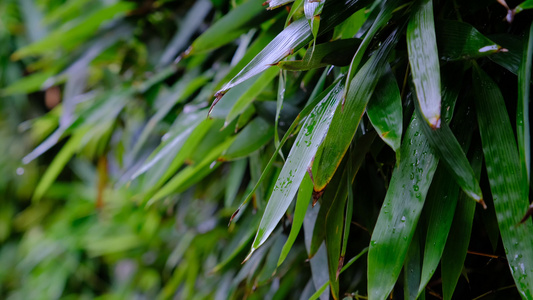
(332, 53)
(298, 160)
(400, 212)
(424, 61)
(505, 178)
(459, 40)
(385, 110)
(347, 118)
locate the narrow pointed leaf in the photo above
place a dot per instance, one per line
(332, 53)
(522, 113)
(254, 136)
(449, 150)
(296, 35)
(384, 12)
(251, 93)
(400, 212)
(528, 4)
(459, 40)
(385, 110)
(442, 197)
(292, 38)
(412, 268)
(456, 247)
(505, 178)
(347, 118)
(229, 27)
(299, 158)
(302, 202)
(424, 61)
(272, 4)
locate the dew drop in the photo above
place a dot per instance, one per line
(20, 171)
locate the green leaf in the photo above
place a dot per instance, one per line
(528, 4)
(400, 212)
(511, 59)
(385, 110)
(187, 176)
(522, 112)
(456, 247)
(424, 61)
(346, 266)
(505, 178)
(336, 53)
(449, 150)
(69, 36)
(302, 202)
(459, 40)
(59, 162)
(251, 93)
(298, 160)
(229, 27)
(347, 118)
(412, 268)
(254, 136)
(384, 12)
(234, 182)
(442, 197)
(291, 39)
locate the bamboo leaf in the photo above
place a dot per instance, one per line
(412, 268)
(505, 178)
(449, 150)
(346, 119)
(291, 39)
(424, 61)
(302, 202)
(254, 136)
(522, 112)
(456, 247)
(332, 53)
(400, 212)
(442, 198)
(250, 94)
(68, 37)
(527, 4)
(229, 27)
(298, 160)
(384, 10)
(272, 4)
(458, 40)
(385, 110)
(60, 161)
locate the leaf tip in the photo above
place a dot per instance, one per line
(248, 256)
(233, 216)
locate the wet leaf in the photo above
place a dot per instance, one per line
(383, 11)
(299, 158)
(272, 4)
(302, 202)
(347, 118)
(456, 247)
(251, 93)
(505, 178)
(458, 40)
(522, 116)
(385, 110)
(401, 210)
(424, 61)
(336, 53)
(412, 268)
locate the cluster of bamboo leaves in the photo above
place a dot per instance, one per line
(356, 148)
